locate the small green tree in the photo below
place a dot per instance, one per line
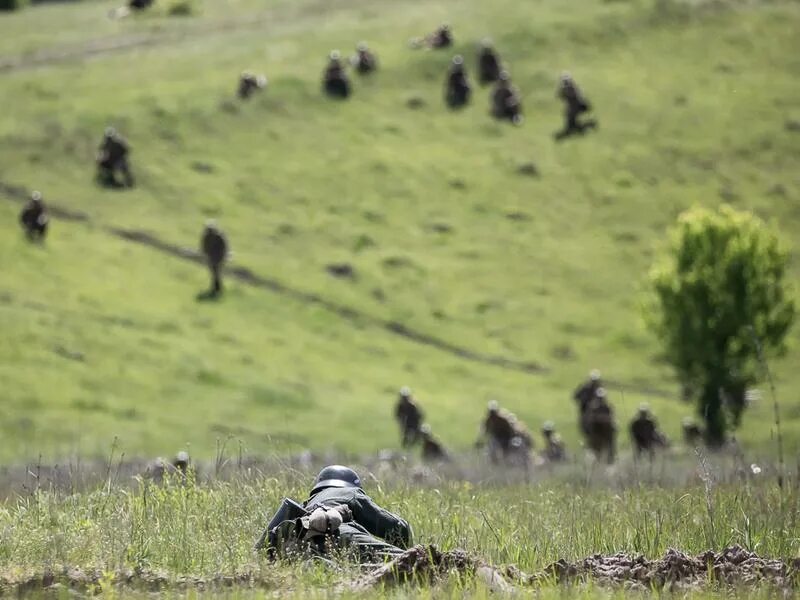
(716, 293)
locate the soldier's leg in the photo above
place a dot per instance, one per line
(124, 168)
(367, 547)
(216, 278)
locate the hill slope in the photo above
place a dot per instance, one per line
(451, 244)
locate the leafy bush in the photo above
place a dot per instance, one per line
(717, 294)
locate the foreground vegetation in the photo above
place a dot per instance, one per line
(204, 532)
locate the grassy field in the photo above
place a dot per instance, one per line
(447, 235)
(203, 534)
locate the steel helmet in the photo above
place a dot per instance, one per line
(336, 476)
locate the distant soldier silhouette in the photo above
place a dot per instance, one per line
(250, 83)
(181, 462)
(554, 450)
(587, 390)
(488, 63)
(575, 105)
(457, 87)
(139, 4)
(215, 249)
(409, 416)
(645, 435)
(442, 37)
(112, 159)
(506, 101)
(364, 60)
(33, 218)
(334, 80)
(599, 426)
(507, 438)
(692, 432)
(432, 449)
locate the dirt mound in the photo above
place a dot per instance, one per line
(733, 566)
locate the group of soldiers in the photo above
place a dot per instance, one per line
(508, 441)
(505, 99)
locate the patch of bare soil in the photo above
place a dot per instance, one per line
(733, 567)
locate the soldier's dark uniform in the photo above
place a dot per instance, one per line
(249, 83)
(409, 416)
(364, 61)
(215, 249)
(432, 449)
(575, 105)
(599, 426)
(334, 80)
(488, 64)
(554, 450)
(33, 217)
(645, 434)
(112, 158)
(457, 87)
(140, 4)
(441, 38)
(505, 434)
(506, 102)
(585, 392)
(369, 532)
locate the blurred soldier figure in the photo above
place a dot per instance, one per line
(457, 89)
(364, 60)
(507, 438)
(692, 432)
(645, 435)
(442, 37)
(140, 4)
(181, 462)
(112, 158)
(215, 249)
(338, 516)
(33, 217)
(249, 83)
(334, 80)
(575, 105)
(488, 63)
(506, 101)
(554, 450)
(409, 416)
(599, 427)
(587, 390)
(432, 449)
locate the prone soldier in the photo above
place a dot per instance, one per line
(214, 246)
(112, 158)
(181, 462)
(442, 37)
(575, 105)
(250, 83)
(364, 60)
(409, 416)
(506, 101)
(457, 88)
(33, 217)
(488, 63)
(334, 80)
(337, 516)
(645, 435)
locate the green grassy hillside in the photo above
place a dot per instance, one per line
(448, 237)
